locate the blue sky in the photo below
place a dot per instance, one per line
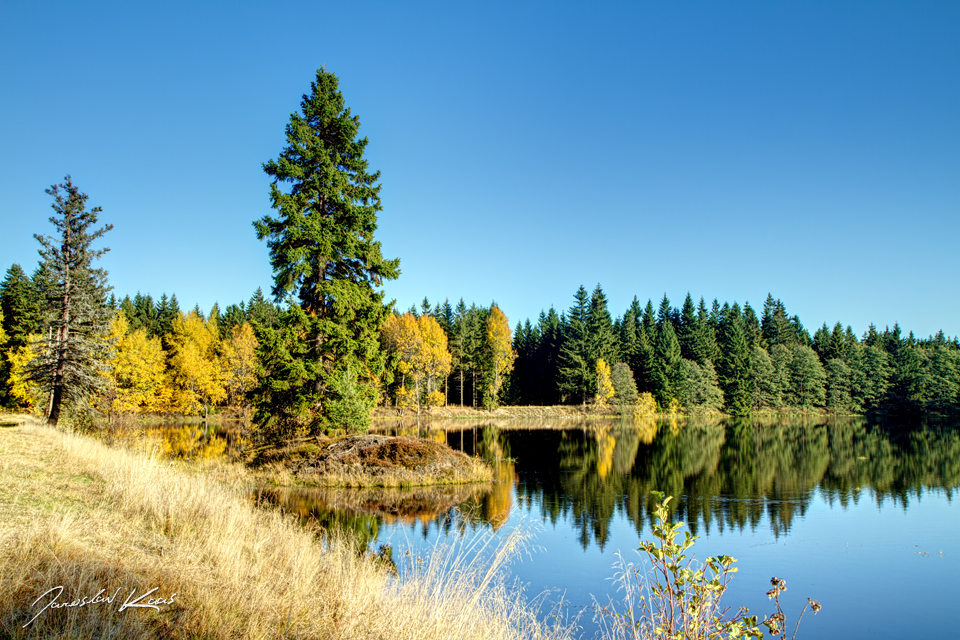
(730, 149)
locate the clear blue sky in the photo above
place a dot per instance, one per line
(730, 149)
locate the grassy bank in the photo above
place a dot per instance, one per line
(79, 514)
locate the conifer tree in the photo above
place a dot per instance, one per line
(624, 386)
(576, 367)
(323, 252)
(71, 364)
(666, 362)
(603, 341)
(458, 345)
(705, 337)
(20, 308)
(751, 327)
(20, 305)
(734, 361)
(687, 329)
(775, 326)
(550, 328)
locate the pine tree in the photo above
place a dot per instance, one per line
(20, 308)
(808, 378)
(603, 341)
(705, 337)
(70, 366)
(666, 363)
(687, 329)
(458, 346)
(735, 361)
(575, 367)
(550, 328)
(260, 311)
(775, 325)
(751, 327)
(323, 252)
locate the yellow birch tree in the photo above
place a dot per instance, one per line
(195, 372)
(604, 383)
(137, 369)
(421, 345)
(240, 364)
(24, 393)
(401, 336)
(500, 349)
(434, 359)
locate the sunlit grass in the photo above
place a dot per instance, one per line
(78, 513)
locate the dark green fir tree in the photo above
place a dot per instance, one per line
(326, 262)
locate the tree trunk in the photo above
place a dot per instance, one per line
(60, 372)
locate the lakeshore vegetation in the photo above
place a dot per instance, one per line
(93, 518)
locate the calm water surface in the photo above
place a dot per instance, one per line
(858, 515)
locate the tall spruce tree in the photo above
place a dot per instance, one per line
(687, 329)
(325, 258)
(575, 367)
(734, 361)
(603, 340)
(550, 326)
(74, 355)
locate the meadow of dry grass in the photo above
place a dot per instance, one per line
(78, 514)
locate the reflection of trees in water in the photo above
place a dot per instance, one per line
(360, 513)
(186, 440)
(725, 475)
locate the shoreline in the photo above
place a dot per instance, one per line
(77, 513)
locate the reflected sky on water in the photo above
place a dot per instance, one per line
(856, 514)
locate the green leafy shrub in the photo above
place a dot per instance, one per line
(680, 599)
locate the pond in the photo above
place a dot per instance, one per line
(856, 514)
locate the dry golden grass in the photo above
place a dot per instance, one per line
(368, 461)
(79, 514)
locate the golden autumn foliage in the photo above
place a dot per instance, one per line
(435, 360)
(675, 407)
(434, 399)
(606, 443)
(604, 384)
(646, 406)
(239, 362)
(500, 344)
(401, 336)
(496, 505)
(137, 370)
(421, 345)
(25, 393)
(195, 372)
(647, 429)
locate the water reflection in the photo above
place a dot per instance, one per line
(730, 474)
(588, 474)
(194, 440)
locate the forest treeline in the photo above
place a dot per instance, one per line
(697, 358)
(691, 358)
